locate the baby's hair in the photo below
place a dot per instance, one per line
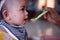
(2, 3)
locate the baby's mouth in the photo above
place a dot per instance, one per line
(25, 19)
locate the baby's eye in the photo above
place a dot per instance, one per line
(23, 9)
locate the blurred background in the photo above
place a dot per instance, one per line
(42, 28)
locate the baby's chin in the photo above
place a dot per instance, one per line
(25, 22)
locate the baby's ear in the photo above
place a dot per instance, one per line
(5, 14)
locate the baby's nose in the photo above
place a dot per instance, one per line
(26, 13)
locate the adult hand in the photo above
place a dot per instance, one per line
(52, 16)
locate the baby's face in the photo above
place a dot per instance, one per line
(18, 13)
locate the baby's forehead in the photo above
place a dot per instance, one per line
(12, 3)
(20, 3)
(16, 1)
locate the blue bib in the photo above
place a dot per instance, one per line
(19, 31)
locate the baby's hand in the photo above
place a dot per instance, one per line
(52, 16)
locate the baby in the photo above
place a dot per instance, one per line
(14, 16)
